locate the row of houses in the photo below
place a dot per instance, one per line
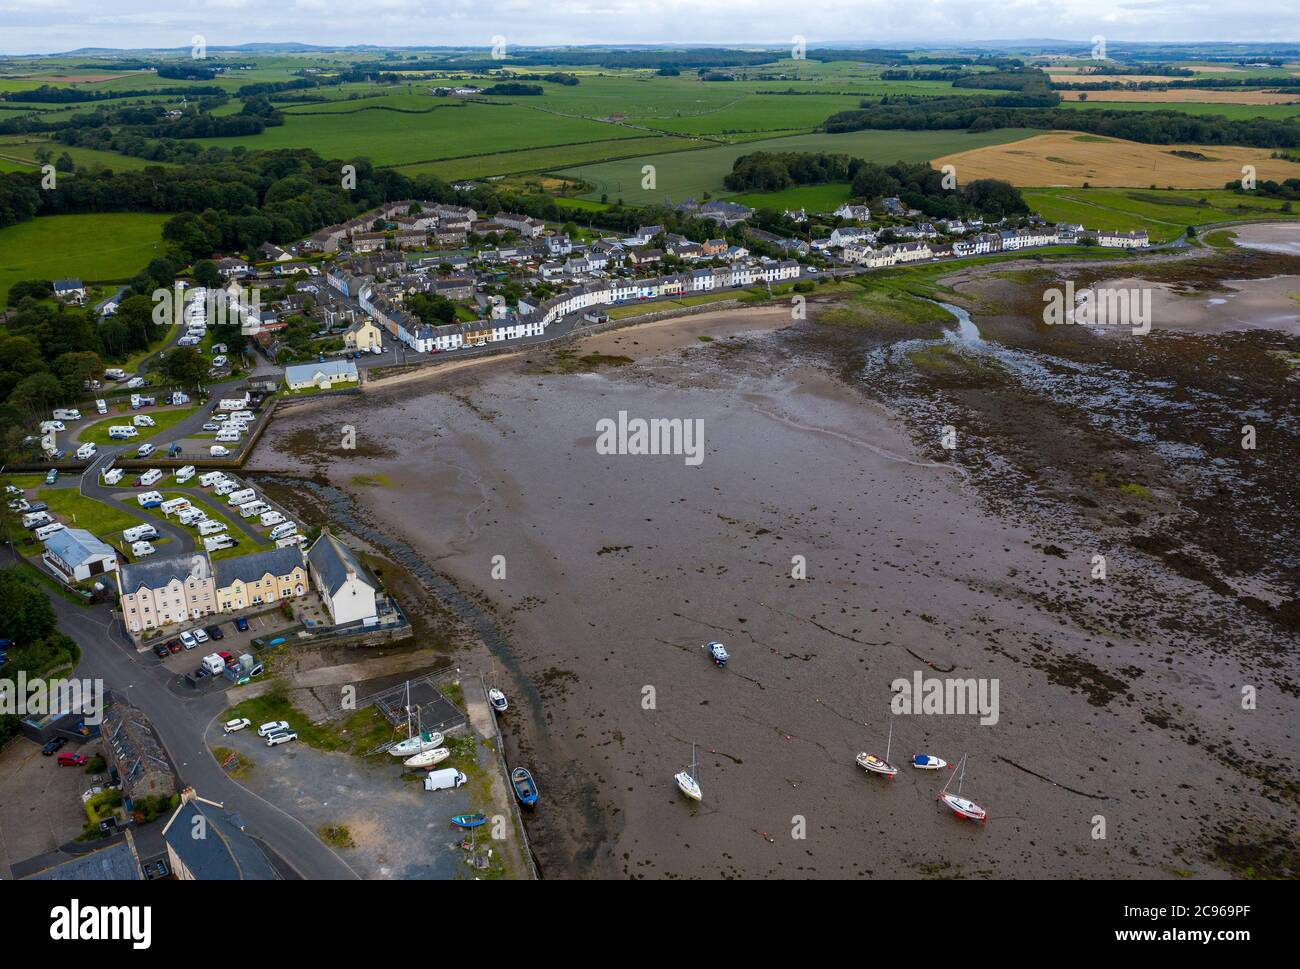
(174, 591)
(862, 254)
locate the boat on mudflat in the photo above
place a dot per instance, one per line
(525, 787)
(469, 820)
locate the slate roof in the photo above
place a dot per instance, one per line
(155, 573)
(332, 561)
(76, 545)
(252, 567)
(225, 854)
(116, 863)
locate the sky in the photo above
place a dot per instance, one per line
(48, 26)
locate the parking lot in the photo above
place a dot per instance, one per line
(40, 802)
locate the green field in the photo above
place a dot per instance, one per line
(75, 510)
(544, 159)
(1164, 213)
(1238, 112)
(104, 246)
(691, 174)
(215, 512)
(18, 153)
(814, 198)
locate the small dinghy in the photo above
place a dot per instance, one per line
(719, 654)
(427, 759)
(469, 820)
(879, 765)
(928, 762)
(498, 700)
(961, 806)
(688, 781)
(525, 788)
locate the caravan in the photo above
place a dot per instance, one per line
(45, 531)
(86, 451)
(225, 486)
(173, 506)
(210, 526)
(192, 516)
(150, 499)
(184, 474)
(211, 478)
(101, 406)
(113, 475)
(227, 437)
(36, 519)
(283, 531)
(241, 496)
(67, 414)
(250, 508)
(120, 432)
(216, 543)
(140, 533)
(270, 518)
(141, 549)
(150, 478)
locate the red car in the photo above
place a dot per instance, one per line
(227, 658)
(173, 645)
(72, 760)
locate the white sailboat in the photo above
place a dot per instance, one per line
(879, 765)
(428, 758)
(415, 743)
(961, 806)
(688, 781)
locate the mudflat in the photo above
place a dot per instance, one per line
(836, 546)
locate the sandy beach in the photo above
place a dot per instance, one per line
(1119, 699)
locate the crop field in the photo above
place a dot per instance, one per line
(1176, 95)
(1164, 214)
(1067, 158)
(545, 159)
(692, 173)
(1238, 112)
(109, 245)
(389, 137)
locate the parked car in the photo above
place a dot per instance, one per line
(241, 624)
(173, 645)
(161, 651)
(201, 673)
(214, 632)
(199, 635)
(274, 726)
(73, 760)
(51, 476)
(52, 746)
(188, 641)
(233, 725)
(276, 739)
(212, 426)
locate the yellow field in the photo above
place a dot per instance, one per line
(1188, 94)
(1066, 158)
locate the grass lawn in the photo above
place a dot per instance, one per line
(165, 420)
(659, 305)
(215, 513)
(103, 246)
(355, 734)
(75, 510)
(814, 198)
(1164, 213)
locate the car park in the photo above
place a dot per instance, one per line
(188, 641)
(275, 726)
(233, 725)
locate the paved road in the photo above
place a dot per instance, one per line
(141, 679)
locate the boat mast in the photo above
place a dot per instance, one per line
(890, 742)
(695, 764)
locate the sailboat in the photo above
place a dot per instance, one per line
(960, 806)
(688, 781)
(416, 743)
(428, 759)
(880, 765)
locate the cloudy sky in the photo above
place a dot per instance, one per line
(44, 26)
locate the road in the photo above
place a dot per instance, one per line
(181, 722)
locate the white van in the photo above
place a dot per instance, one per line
(225, 486)
(115, 373)
(184, 474)
(36, 519)
(150, 499)
(67, 414)
(143, 420)
(270, 518)
(227, 437)
(101, 406)
(214, 664)
(113, 475)
(86, 451)
(241, 496)
(210, 478)
(219, 451)
(45, 531)
(290, 540)
(284, 530)
(151, 477)
(250, 508)
(172, 506)
(121, 432)
(192, 516)
(141, 549)
(140, 533)
(243, 416)
(210, 526)
(443, 780)
(215, 543)
(48, 426)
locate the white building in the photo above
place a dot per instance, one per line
(76, 555)
(323, 375)
(345, 585)
(1123, 240)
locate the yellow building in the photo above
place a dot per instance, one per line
(363, 335)
(260, 578)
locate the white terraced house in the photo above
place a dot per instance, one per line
(166, 591)
(1123, 240)
(869, 257)
(912, 251)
